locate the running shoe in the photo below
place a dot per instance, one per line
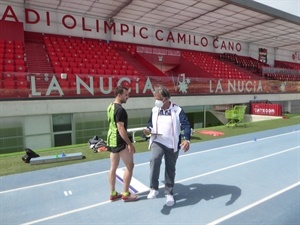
(129, 197)
(115, 197)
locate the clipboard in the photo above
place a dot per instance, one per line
(155, 133)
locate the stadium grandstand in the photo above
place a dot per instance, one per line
(60, 61)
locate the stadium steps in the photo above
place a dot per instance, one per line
(219, 115)
(141, 69)
(246, 72)
(37, 61)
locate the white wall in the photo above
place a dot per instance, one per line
(37, 131)
(35, 117)
(49, 107)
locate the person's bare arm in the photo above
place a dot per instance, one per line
(124, 135)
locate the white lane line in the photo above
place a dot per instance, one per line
(181, 181)
(141, 164)
(232, 166)
(237, 144)
(253, 204)
(65, 213)
(67, 193)
(52, 182)
(135, 185)
(238, 164)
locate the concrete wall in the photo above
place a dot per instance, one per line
(49, 107)
(34, 118)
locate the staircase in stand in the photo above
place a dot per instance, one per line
(142, 70)
(37, 61)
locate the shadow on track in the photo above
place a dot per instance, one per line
(194, 193)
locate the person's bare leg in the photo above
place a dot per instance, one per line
(114, 163)
(128, 161)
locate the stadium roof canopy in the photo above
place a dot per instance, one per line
(240, 20)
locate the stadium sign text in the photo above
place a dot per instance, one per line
(106, 28)
(105, 85)
(234, 86)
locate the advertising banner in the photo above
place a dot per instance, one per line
(266, 109)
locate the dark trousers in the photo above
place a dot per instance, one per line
(157, 152)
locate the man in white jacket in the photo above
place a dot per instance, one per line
(165, 124)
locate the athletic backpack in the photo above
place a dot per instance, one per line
(97, 144)
(29, 154)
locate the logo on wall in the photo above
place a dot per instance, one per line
(263, 55)
(183, 84)
(296, 56)
(282, 86)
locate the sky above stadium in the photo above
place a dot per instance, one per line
(289, 6)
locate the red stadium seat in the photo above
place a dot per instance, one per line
(72, 84)
(101, 71)
(81, 65)
(64, 83)
(93, 71)
(124, 67)
(103, 66)
(93, 61)
(89, 65)
(107, 71)
(19, 56)
(22, 84)
(7, 61)
(54, 58)
(56, 64)
(73, 65)
(21, 76)
(64, 64)
(51, 52)
(76, 70)
(68, 56)
(20, 68)
(62, 59)
(129, 72)
(8, 76)
(96, 66)
(67, 70)
(9, 52)
(19, 43)
(122, 72)
(77, 60)
(110, 66)
(84, 71)
(130, 67)
(19, 51)
(19, 62)
(58, 70)
(9, 68)
(9, 84)
(60, 54)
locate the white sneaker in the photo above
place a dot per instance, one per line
(152, 194)
(170, 200)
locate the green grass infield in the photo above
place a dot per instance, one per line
(13, 163)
